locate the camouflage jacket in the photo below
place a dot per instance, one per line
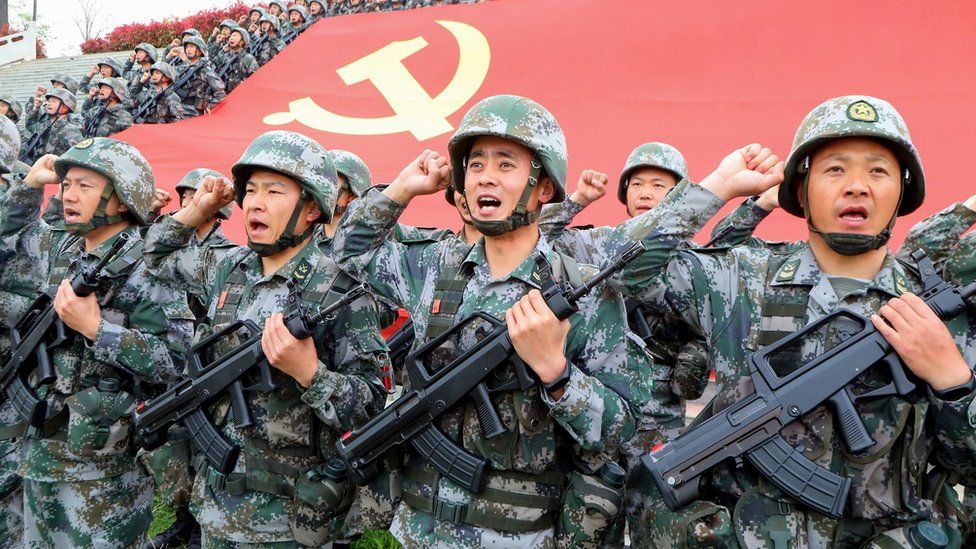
(62, 135)
(721, 292)
(345, 391)
(111, 120)
(133, 73)
(608, 381)
(204, 90)
(168, 108)
(268, 49)
(144, 330)
(242, 65)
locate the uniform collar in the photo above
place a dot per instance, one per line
(476, 259)
(802, 269)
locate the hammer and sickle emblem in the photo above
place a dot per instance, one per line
(416, 111)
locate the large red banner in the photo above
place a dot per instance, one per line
(702, 75)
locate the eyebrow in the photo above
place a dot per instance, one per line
(651, 178)
(272, 183)
(506, 153)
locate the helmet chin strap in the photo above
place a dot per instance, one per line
(849, 243)
(288, 238)
(520, 217)
(98, 219)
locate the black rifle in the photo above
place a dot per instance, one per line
(224, 69)
(412, 418)
(36, 333)
(29, 150)
(786, 390)
(255, 47)
(291, 35)
(400, 344)
(142, 111)
(209, 380)
(91, 124)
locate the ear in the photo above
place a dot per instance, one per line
(313, 211)
(547, 190)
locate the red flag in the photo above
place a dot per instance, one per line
(706, 77)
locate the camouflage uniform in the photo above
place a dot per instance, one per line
(214, 48)
(169, 108)
(243, 64)
(296, 429)
(724, 293)
(107, 62)
(547, 439)
(133, 72)
(269, 46)
(113, 118)
(81, 482)
(204, 90)
(62, 132)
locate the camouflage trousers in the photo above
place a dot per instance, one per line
(169, 467)
(211, 542)
(372, 509)
(107, 512)
(11, 497)
(414, 528)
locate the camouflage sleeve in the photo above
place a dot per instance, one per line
(690, 375)
(736, 228)
(609, 383)
(363, 247)
(12, 306)
(938, 234)
(135, 90)
(70, 134)
(128, 65)
(350, 391)
(174, 107)
(956, 448)
(556, 217)
(19, 206)
(85, 80)
(54, 212)
(217, 91)
(157, 334)
(249, 65)
(170, 257)
(119, 120)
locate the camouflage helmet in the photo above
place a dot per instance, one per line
(354, 169)
(150, 50)
(15, 108)
(853, 116)
(296, 156)
(652, 155)
(112, 64)
(193, 179)
(245, 36)
(301, 11)
(118, 86)
(96, 81)
(192, 32)
(275, 24)
(319, 2)
(198, 42)
(517, 118)
(122, 164)
(9, 144)
(69, 83)
(281, 5)
(258, 9)
(165, 68)
(67, 98)
(229, 23)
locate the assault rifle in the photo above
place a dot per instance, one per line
(223, 69)
(413, 417)
(36, 333)
(291, 35)
(28, 152)
(208, 380)
(142, 111)
(91, 124)
(786, 389)
(255, 47)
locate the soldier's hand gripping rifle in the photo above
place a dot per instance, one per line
(244, 368)
(412, 419)
(787, 389)
(36, 333)
(141, 113)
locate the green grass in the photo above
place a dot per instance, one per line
(163, 517)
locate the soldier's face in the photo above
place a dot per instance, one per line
(265, 27)
(315, 8)
(4, 108)
(234, 40)
(346, 197)
(104, 92)
(854, 186)
(274, 9)
(105, 70)
(58, 85)
(81, 191)
(224, 33)
(140, 56)
(191, 50)
(294, 17)
(156, 77)
(53, 105)
(646, 188)
(496, 174)
(255, 15)
(269, 201)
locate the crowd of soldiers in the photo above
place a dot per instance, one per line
(188, 78)
(610, 382)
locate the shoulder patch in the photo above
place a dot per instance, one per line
(788, 270)
(901, 285)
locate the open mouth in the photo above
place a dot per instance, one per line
(854, 215)
(71, 215)
(255, 227)
(487, 205)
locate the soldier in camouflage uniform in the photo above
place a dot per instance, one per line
(296, 24)
(286, 184)
(270, 43)
(241, 63)
(60, 131)
(12, 110)
(851, 172)
(218, 38)
(174, 54)
(82, 486)
(169, 108)
(109, 114)
(508, 156)
(278, 9)
(144, 55)
(316, 10)
(105, 68)
(35, 110)
(204, 90)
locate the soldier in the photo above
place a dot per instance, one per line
(297, 23)
(269, 44)
(204, 90)
(35, 114)
(140, 62)
(237, 63)
(286, 184)
(109, 115)
(10, 108)
(105, 68)
(852, 171)
(168, 107)
(218, 38)
(60, 131)
(508, 157)
(82, 486)
(252, 20)
(316, 10)
(278, 9)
